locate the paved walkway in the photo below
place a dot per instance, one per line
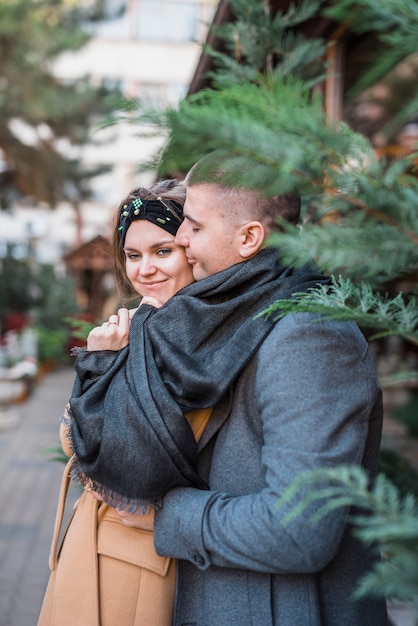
(29, 485)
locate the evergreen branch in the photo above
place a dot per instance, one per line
(394, 21)
(297, 53)
(407, 112)
(380, 216)
(298, 14)
(379, 513)
(391, 578)
(247, 118)
(80, 328)
(374, 185)
(381, 66)
(230, 71)
(342, 300)
(255, 37)
(350, 485)
(399, 378)
(372, 252)
(58, 453)
(398, 18)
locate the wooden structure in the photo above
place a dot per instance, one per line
(92, 267)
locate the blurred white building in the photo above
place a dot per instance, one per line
(150, 49)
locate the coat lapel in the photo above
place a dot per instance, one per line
(219, 415)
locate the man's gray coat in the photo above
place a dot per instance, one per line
(309, 398)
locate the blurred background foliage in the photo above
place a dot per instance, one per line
(44, 124)
(31, 295)
(34, 103)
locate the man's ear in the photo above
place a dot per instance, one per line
(252, 235)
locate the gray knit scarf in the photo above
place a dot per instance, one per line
(129, 433)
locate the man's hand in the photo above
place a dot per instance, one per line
(151, 300)
(136, 520)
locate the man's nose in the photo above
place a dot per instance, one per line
(181, 238)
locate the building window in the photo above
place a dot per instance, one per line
(152, 20)
(167, 21)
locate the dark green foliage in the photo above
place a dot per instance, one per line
(381, 514)
(15, 292)
(56, 454)
(399, 471)
(274, 135)
(44, 300)
(408, 415)
(344, 301)
(80, 328)
(258, 43)
(395, 22)
(53, 346)
(26, 287)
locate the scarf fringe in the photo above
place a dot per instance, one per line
(65, 420)
(112, 498)
(75, 350)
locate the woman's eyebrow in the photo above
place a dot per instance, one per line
(157, 244)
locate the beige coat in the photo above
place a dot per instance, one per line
(106, 573)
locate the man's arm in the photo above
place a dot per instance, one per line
(314, 392)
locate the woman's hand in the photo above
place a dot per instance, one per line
(114, 334)
(138, 520)
(133, 520)
(111, 335)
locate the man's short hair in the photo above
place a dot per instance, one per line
(240, 199)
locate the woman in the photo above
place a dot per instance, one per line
(107, 573)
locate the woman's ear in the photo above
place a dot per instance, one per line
(252, 237)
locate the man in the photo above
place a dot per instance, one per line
(307, 398)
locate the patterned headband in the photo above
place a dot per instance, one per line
(167, 214)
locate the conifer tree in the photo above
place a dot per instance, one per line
(360, 218)
(360, 212)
